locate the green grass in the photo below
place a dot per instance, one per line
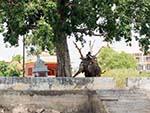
(145, 74)
(120, 75)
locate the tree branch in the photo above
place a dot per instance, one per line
(79, 50)
(69, 4)
(87, 31)
(99, 51)
(91, 45)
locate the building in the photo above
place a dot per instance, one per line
(143, 61)
(50, 62)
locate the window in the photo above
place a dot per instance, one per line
(148, 59)
(140, 67)
(51, 72)
(138, 59)
(148, 66)
(30, 71)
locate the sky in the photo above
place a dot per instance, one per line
(98, 43)
(7, 53)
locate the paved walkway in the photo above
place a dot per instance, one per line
(125, 101)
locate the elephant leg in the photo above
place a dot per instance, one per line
(98, 72)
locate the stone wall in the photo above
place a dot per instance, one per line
(73, 101)
(35, 83)
(41, 83)
(139, 82)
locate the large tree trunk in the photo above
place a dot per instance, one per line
(63, 58)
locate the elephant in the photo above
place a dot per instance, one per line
(89, 67)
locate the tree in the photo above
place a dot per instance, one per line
(52, 21)
(15, 66)
(17, 58)
(3, 68)
(110, 59)
(32, 51)
(12, 68)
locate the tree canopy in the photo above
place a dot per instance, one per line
(110, 59)
(50, 21)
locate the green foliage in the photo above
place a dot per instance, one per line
(48, 19)
(42, 37)
(47, 23)
(144, 74)
(13, 68)
(13, 16)
(17, 58)
(110, 59)
(120, 75)
(3, 68)
(32, 51)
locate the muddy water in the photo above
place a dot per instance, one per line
(49, 102)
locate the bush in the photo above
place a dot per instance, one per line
(120, 75)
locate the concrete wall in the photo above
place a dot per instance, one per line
(20, 83)
(83, 101)
(139, 82)
(41, 83)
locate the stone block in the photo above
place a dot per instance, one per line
(47, 83)
(139, 82)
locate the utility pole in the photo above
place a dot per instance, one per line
(23, 56)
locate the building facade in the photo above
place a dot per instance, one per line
(143, 61)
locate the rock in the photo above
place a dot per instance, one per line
(1, 110)
(54, 111)
(20, 109)
(4, 109)
(40, 111)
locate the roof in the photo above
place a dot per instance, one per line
(44, 56)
